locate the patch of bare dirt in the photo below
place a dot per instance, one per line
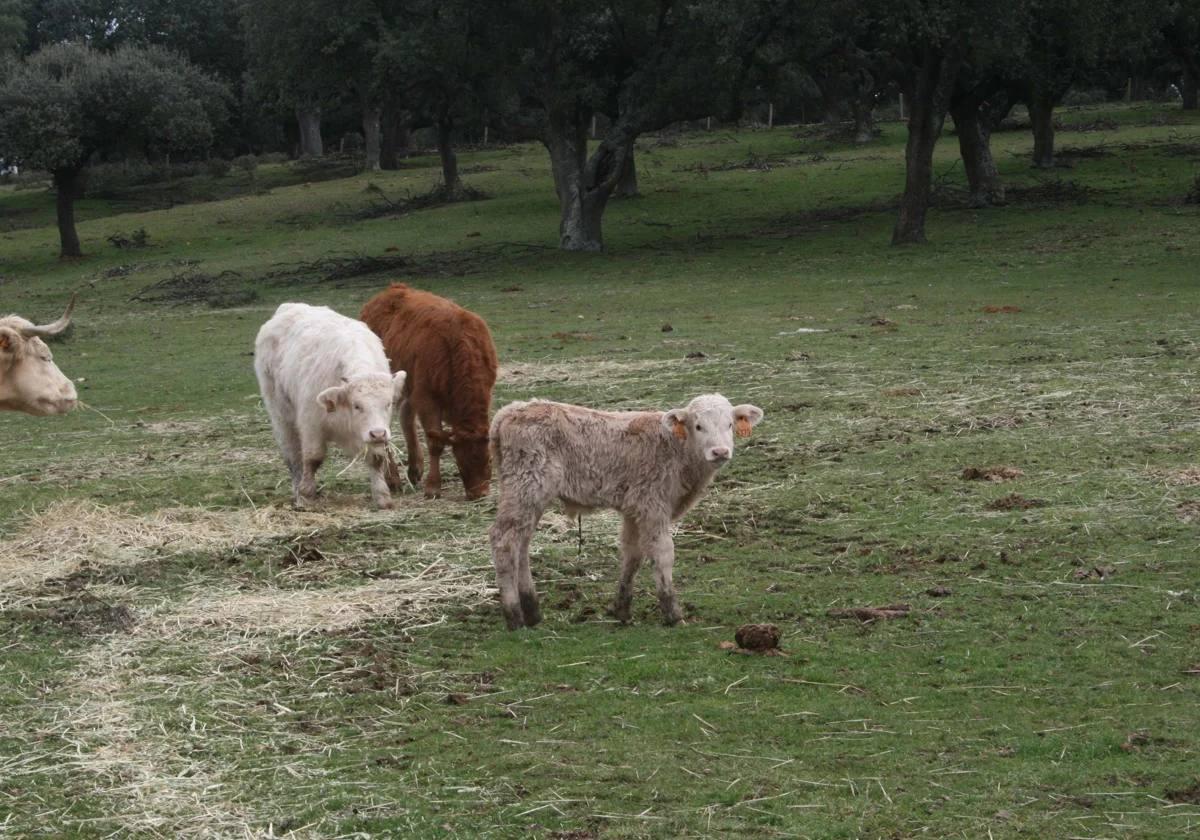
(872, 613)
(1013, 501)
(1188, 512)
(1007, 309)
(1186, 477)
(1189, 794)
(902, 392)
(995, 474)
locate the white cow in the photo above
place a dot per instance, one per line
(651, 466)
(325, 379)
(29, 379)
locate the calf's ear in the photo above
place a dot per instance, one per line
(676, 420)
(331, 398)
(746, 417)
(398, 380)
(10, 345)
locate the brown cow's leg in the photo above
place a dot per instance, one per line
(631, 559)
(656, 543)
(408, 424)
(431, 421)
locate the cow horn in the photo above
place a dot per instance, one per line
(51, 329)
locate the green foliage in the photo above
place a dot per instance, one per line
(69, 102)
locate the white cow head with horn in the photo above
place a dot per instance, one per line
(29, 379)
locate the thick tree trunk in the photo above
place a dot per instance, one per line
(309, 121)
(451, 183)
(864, 122)
(68, 184)
(974, 143)
(929, 97)
(579, 213)
(1041, 117)
(371, 138)
(1188, 88)
(627, 186)
(394, 142)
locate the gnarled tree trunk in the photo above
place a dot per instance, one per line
(68, 185)
(579, 212)
(627, 186)
(371, 138)
(974, 126)
(451, 183)
(309, 121)
(928, 92)
(1041, 117)
(584, 184)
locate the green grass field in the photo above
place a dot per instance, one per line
(182, 655)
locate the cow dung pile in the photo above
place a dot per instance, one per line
(755, 638)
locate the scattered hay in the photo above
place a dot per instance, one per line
(995, 474)
(61, 539)
(407, 602)
(939, 592)
(594, 373)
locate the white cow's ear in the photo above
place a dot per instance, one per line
(331, 397)
(398, 380)
(676, 421)
(746, 417)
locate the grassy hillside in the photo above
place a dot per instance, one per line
(186, 656)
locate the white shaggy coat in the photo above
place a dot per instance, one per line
(325, 380)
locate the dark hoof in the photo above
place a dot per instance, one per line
(533, 613)
(515, 620)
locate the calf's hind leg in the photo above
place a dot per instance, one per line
(631, 559)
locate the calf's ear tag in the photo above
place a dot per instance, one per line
(742, 427)
(679, 430)
(4, 342)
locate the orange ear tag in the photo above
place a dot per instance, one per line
(679, 430)
(742, 427)
(4, 341)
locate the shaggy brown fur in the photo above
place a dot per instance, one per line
(451, 363)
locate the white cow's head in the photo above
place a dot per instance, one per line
(29, 379)
(708, 424)
(363, 406)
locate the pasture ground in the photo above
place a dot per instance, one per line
(181, 655)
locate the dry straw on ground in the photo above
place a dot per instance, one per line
(69, 534)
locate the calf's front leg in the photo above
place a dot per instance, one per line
(658, 545)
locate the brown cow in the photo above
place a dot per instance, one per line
(451, 363)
